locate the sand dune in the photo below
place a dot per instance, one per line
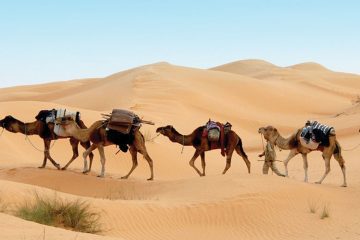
(179, 204)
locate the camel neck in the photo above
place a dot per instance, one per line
(282, 142)
(83, 135)
(185, 140)
(28, 128)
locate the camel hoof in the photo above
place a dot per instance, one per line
(124, 177)
(317, 182)
(100, 176)
(58, 166)
(150, 179)
(64, 168)
(85, 172)
(41, 167)
(202, 175)
(344, 185)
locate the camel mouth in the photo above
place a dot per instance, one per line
(160, 130)
(261, 130)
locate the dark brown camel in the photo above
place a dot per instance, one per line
(293, 144)
(201, 145)
(45, 131)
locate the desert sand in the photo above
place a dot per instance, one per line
(179, 204)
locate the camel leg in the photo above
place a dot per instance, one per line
(228, 159)
(286, 161)
(327, 154)
(85, 154)
(304, 156)
(150, 162)
(133, 152)
(45, 158)
(74, 144)
(102, 160)
(203, 163)
(327, 169)
(192, 161)
(241, 152)
(47, 154)
(266, 167)
(341, 162)
(86, 145)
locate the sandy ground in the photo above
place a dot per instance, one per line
(179, 204)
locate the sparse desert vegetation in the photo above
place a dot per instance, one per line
(53, 211)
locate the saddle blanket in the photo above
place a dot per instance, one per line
(314, 134)
(60, 113)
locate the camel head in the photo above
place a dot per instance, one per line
(270, 133)
(166, 131)
(10, 124)
(68, 124)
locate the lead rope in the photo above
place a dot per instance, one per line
(36, 148)
(351, 149)
(183, 144)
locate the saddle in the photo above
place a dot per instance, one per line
(50, 116)
(121, 125)
(315, 134)
(123, 121)
(215, 133)
(46, 115)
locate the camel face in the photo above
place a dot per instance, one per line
(270, 133)
(165, 130)
(9, 123)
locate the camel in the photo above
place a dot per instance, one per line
(293, 144)
(201, 145)
(100, 138)
(45, 131)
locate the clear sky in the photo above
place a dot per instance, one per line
(42, 41)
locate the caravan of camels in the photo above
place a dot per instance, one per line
(121, 128)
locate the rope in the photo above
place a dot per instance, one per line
(36, 148)
(183, 144)
(151, 139)
(260, 160)
(351, 149)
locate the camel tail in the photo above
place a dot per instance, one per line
(239, 149)
(337, 154)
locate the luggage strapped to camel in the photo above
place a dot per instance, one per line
(315, 134)
(124, 121)
(215, 132)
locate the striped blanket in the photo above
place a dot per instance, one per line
(315, 133)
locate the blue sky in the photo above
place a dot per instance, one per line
(42, 41)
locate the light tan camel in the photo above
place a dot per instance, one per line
(99, 137)
(293, 144)
(45, 131)
(201, 145)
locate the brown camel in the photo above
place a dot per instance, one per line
(100, 138)
(293, 144)
(45, 131)
(201, 145)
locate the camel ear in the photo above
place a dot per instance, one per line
(275, 130)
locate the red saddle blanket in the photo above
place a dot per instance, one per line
(221, 141)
